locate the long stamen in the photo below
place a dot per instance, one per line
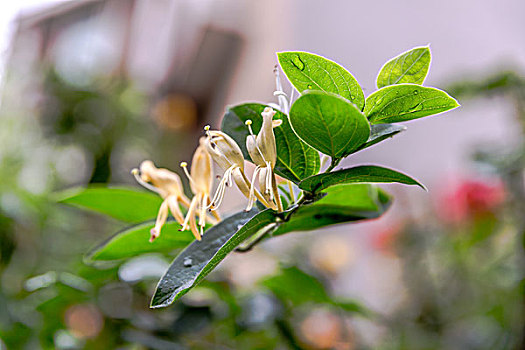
(184, 167)
(136, 174)
(217, 198)
(219, 193)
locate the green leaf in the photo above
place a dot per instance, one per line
(329, 123)
(295, 159)
(134, 240)
(123, 204)
(339, 204)
(359, 174)
(399, 103)
(296, 287)
(381, 132)
(409, 67)
(200, 258)
(307, 71)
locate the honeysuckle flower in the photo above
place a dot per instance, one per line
(201, 179)
(263, 151)
(228, 155)
(169, 186)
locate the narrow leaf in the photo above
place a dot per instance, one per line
(381, 132)
(200, 258)
(134, 240)
(329, 123)
(399, 103)
(409, 67)
(360, 174)
(123, 204)
(295, 159)
(339, 204)
(308, 71)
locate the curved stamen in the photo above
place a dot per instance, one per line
(136, 174)
(219, 193)
(184, 167)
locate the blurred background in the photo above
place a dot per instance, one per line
(90, 88)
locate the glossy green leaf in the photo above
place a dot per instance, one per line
(201, 257)
(399, 103)
(359, 174)
(123, 204)
(329, 123)
(381, 132)
(307, 71)
(295, 159)
(134, 240)
(409, 67)
(339, 204)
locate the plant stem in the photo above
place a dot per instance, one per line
(333, 163)
(255, 239)
(290, 188)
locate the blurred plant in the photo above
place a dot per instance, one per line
(463, 273)
(95, 117)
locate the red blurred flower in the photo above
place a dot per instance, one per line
(385, 239)
(470, 199)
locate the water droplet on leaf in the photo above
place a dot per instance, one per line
(296, 61)
(378, 102)
(187, 262)
(416, 108)
(415, 92)
(309, 86)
